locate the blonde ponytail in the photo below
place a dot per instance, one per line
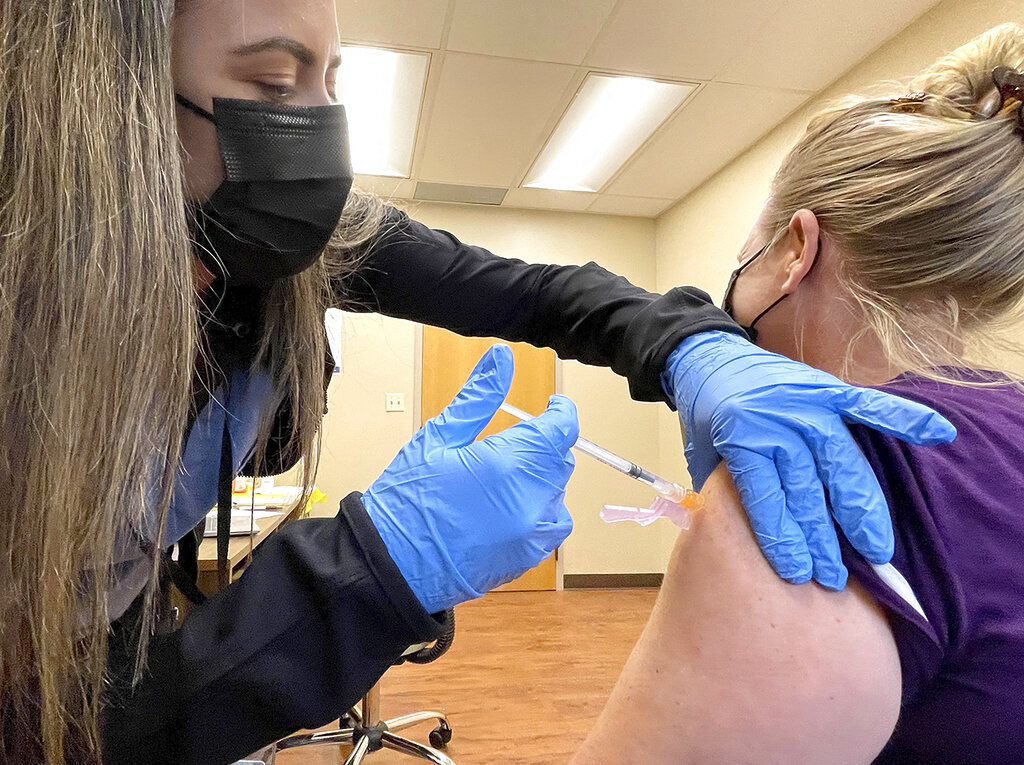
(925, 198)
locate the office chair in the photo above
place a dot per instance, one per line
(363, 729)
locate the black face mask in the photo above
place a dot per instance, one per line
(288, 174)
(727, 299)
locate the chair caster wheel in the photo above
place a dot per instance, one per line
(441, 735)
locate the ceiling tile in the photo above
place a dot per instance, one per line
(546, 199)
(489, 118)
(640, 207)
(848, 31)
(714, 127)
(542, 30)
(683, 38)
(386, 188)
(402, 23)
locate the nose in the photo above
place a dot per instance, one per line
(315, 96)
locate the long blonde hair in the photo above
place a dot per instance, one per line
(97, 336)
(294, 341)
(98, 317)
(925, 198)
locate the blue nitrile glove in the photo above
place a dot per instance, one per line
(461, 517)
(781, 428)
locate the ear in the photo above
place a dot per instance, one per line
(802, 240)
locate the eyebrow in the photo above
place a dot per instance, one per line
(300, 52)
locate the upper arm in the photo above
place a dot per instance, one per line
(425, 275)
(737, 665)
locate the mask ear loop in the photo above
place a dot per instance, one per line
(766, 310)
(182, 101)
(751, 329)
(727, 301)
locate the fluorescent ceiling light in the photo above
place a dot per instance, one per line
(382, 91)
(608, 120)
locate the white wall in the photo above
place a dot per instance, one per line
(693, 243)
(381, 355)
(698, 239)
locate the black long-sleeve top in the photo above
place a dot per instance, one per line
(323, 611)
(582, 312)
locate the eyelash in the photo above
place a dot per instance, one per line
(277, 92)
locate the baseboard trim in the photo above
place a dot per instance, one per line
(611, 581)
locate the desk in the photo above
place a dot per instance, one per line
(238, 548)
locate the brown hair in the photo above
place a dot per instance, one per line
(99, 316)
(97, 335)
(293, 346)
(925, 201)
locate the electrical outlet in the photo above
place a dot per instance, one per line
(394, 402)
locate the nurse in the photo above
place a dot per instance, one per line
(223, 364)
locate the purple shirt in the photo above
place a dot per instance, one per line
(958, 513)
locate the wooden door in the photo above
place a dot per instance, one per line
(448, 359)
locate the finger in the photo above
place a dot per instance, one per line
(858, 504)
(558, 425)
(701, 461)
(896, 416)
(778, 535)
(476, 403)
(805, 499)
(550, 533)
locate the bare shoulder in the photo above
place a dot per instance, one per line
(736, 665)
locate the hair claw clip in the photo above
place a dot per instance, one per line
(1006, 97)
(908, 104)
(1009, 82)
(911, 98)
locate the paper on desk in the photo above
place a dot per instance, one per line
(242, 521)
(277, 496)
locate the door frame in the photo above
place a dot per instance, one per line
(417, 414)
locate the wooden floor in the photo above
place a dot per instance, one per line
(526, 678)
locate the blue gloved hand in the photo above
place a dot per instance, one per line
(781, 428)
(461, 517)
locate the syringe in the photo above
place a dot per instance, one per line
(691, 500)
(671, 491)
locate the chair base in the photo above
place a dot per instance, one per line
(367, 733)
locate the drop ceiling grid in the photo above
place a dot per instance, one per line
(489, 116)
(559, 113)
(703, 138)
(685, 39)
(559, 32)
(433, 83)
(768, 63)
(417, 24)
(539, 53)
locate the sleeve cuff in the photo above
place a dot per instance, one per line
(386, 572)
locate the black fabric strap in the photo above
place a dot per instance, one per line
(185, 583)
(188, 550)
(224, 479)
(195, 108)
